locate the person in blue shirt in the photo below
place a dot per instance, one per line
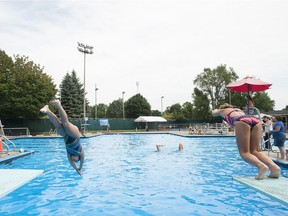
(70, 132)
(279, 136)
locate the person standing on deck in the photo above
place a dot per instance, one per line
(279, 136)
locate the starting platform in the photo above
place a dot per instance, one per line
(15, 178)
(273, 187)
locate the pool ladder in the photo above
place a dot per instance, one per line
(4, 141)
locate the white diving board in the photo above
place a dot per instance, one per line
(273, 187)
(14, 178)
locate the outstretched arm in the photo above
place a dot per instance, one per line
(82, 156)
(72, 163)
(217, 112)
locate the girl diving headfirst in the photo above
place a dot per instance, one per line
(70, 132)
(248, 132)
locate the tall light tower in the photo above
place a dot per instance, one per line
(86, 49)
(137, 86)
(162, 105)
(96, 89)
(123, 104)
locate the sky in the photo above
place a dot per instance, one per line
(152, 47)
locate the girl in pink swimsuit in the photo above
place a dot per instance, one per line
(248, 132)
(248, 119)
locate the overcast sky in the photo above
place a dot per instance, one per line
(161, 44)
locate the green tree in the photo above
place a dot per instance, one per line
(201, 105)
(238, 99)
(187, 110)
(101, 111)
(156, 113)
(263, 102)
(213, 83)
(24, 87)
(71, 92)
(175, 108)
(137, 106)
(115, 109)
(176, 112)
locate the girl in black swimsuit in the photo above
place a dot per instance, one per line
(70, 132)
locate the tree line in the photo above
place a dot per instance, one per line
(25, 87)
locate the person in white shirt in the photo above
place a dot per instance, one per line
(267, 128)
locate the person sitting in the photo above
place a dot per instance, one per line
(71, 134)
(248, 132)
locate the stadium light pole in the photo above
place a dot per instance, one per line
(86, 49)
(96, 89)
(162, 105)
(123, 104)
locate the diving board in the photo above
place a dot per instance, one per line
(11, 179)
(276, 188)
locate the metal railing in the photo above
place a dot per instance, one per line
(17, 131)
(6, 141)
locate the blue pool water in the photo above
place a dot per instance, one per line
(125, 175)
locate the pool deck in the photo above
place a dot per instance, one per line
(15, 178)
(12, 155)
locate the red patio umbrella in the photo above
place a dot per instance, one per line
(249, 84)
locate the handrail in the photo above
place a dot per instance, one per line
(25, 128)
(9, 141)
(6, 146)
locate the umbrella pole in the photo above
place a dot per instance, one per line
(250, 103)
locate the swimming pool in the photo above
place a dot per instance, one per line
(125, 175)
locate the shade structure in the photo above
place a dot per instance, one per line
(248, 84)
(150, 119)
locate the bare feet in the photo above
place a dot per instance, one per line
(274, 171)
(158, 147)
(262, 169)
(56, 103)
(44, 109)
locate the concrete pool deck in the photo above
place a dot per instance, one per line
(12, 155)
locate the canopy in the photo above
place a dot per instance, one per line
(150, 119)
(263, 114)
(249, 84)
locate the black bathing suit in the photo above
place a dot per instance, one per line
(73, 146)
